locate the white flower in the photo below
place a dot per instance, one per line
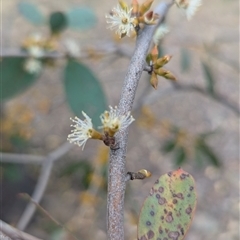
(190, 6)
(82, 132)
(113, 122)
(35, 51)
(121, 20)
(72, 48)
(32, 66)
(161, 31)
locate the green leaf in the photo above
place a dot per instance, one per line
(81, 18)
(180, 156)
(168, 210)
(209, 77)
(185, 60)
(208, 153)
(58, 22)
(31, 13)
(168, 145)
(84, 91)
(14, 79)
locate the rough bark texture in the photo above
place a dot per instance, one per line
(117, 169)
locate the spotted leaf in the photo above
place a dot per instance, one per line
(168, 210)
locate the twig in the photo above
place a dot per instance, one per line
(21, 158)
(27, 197)
(117, 169)
(42, 183)
(15, 234)
(215, 96)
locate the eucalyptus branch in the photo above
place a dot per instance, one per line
(42, 183)
(13, 233)
(117, 169)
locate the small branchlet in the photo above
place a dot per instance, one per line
(141, 174)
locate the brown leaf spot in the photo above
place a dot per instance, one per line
(175, 201)
(150, 234)
(152, 213)
(143, 238)
(158, 196)
(174, 235)
(182, 231)
(160, 230)
(188, 210)
(151, 191)
(179, 195)
(161, 189)
(148, 223)
(169, 217)
(161, 201)
(184, 175)
(191, 188)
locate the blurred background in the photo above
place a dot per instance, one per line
(59, 58)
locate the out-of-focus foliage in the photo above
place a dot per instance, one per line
(10, 172)
(81, 18)
(31, 13)
(186, 147)
(14, 79)
(78, 171)
(83, 91)
(57, 22)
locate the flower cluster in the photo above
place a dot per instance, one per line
(36, 46)
(125, 19)
(111, 123)
(190, 6)
(33, 45)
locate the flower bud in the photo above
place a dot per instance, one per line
(154, 80)
(123, 5)
(160, 71)
(145, 7)
(150, 18)
(162, 61)
(170, 76)
(154, 54)
(145, 173)
(135, 7)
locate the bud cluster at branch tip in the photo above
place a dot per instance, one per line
(156, 65)
(112, 122)
(125, 20)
